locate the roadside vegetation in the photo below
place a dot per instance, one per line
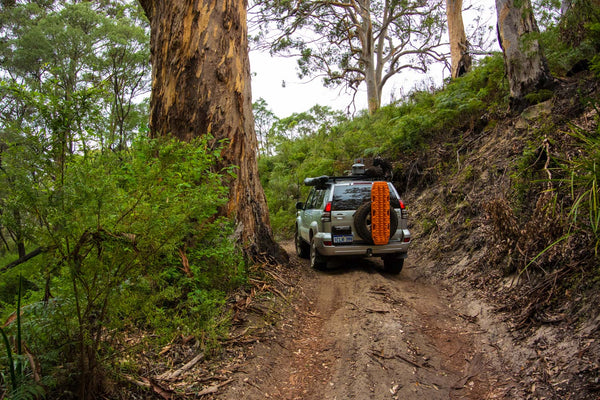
(398, 132)
(514, 193)
(109, 240)
(110, 246)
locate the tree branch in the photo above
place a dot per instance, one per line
(23, 259)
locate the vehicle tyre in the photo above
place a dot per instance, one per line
(317, 261)
(393, 264)
(302, 248)
(362, 222)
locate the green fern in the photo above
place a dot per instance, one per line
(21, 387)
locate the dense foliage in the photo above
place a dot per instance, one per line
(129, 241)
(104, 233)
(402, 130)
(395, 131)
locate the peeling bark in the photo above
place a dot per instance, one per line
(201, 85)
(526, 66)
(459, 46)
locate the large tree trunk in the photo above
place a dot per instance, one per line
(459, 47)
(368, 56)
(201, 85)
(524, 60)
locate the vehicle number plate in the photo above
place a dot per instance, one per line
(342, 239)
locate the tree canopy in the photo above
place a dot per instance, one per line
(351, 42)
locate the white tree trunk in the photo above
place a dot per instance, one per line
(368, 56)
(459, 47)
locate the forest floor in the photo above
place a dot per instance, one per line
(354, 332)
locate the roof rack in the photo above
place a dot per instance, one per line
(358, 173)
(323, 180)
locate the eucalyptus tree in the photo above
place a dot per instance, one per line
(353, 42)
(459, 46)
(524, 60)
(201, 86)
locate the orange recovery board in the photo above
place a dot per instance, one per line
(380, 213)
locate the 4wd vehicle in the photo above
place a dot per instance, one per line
(338, 219)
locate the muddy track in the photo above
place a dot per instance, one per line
(354, 332)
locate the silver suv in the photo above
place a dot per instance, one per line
(335, 221)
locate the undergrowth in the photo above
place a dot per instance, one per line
(131, 245)
(548, 232)
(399, 131)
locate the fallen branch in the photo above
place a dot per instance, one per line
(276, 291)
(131, 379)
(278, 278)
(214, 388)
(23, 259)
(172, 375)
(370, 310)
(166, 394)
(414, 364)
(353, 305)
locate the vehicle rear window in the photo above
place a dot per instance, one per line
(350, 197)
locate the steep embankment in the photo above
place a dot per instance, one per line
(486, 206)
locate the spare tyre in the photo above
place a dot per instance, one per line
(362, 222)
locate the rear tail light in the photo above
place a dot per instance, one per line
(326, 216)
(403, 210)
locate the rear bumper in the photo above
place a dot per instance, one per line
(399, 247)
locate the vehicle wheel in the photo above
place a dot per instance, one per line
(302, 248)
(317, 261)
(393, 264)
(362, 221)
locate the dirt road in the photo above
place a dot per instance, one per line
(354, 332)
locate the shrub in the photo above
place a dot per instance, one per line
(131, 241)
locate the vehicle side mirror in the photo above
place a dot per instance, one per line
(299, 205)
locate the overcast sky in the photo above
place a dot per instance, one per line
(275, 79)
